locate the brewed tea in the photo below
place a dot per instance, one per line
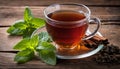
(66, 29)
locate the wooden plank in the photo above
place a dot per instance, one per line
(8, 16)
(8, 62)
(7, 42)
(109, 31)
(5, 60)
(48, 2)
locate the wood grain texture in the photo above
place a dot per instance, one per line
(11, 10)
(109, 31)
(6, 41)
(8, 15)
(48, 2)
(8, 62)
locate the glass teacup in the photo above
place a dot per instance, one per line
(67, 24)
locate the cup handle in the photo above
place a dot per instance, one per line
(93, 20)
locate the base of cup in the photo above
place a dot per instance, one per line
(82, 55)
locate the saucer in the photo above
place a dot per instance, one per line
(90, 53)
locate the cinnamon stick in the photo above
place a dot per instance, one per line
(95, 41)
(99, 40)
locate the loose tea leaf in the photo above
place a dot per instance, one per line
(109, 54)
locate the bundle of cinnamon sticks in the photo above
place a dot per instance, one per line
(95, 41)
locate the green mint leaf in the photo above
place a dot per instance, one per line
(17, 28)
(37, 22)
(20, 24)
(47, 56)
(46, 52)
(27, 43)
(24, 56)
(44, 37)
(23, 44)
(46, 46)
(27, 15)
(28, 32)
(14, 31)
(34, 41)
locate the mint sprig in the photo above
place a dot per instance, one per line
(27, 26)
(44, 48)
(40, 43)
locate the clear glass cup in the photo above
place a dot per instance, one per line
(68, 24)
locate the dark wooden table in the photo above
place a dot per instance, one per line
(11, 10)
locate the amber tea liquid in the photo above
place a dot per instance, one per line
(67, 30)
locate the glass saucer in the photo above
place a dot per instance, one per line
(84, 55)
